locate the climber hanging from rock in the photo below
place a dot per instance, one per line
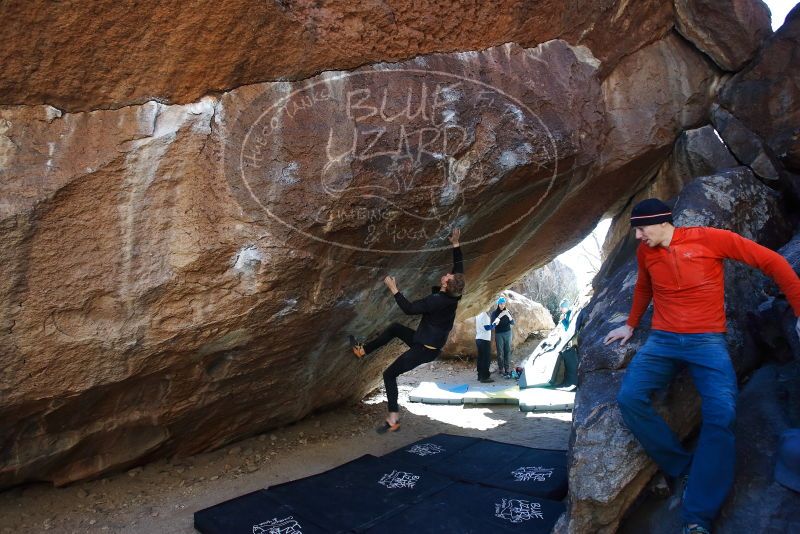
(438, 312)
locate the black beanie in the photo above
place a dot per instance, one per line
(650, 211)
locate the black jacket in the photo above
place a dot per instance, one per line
(505, 323)
(438, 310)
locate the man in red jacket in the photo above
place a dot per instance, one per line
(681, 270)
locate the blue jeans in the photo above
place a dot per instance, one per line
(503, 342)
(711, 468)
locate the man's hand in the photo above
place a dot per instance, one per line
(391, 284)
(622, 333)
(496, 321)
(454, 236)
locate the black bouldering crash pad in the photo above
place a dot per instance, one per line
(440, 484)
(470, 509)
(359, 493)
(431, 450)
(539, 472)
(253, 513)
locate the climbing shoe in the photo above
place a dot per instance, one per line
(356, 347)
(388, 427)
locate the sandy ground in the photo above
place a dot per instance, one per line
(162, 496)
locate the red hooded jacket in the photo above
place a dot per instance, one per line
(686, 280)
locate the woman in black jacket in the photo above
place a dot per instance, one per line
(502, 321)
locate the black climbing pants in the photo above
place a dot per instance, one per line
(484, 357)
(415, 356)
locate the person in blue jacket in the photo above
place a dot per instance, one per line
(566, 314)
(501, 322)
(438, 312)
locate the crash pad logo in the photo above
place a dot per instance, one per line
(384, 160)
(399, 479)
(426, 449)
(536, 474)
(518, 510)
(287, 525)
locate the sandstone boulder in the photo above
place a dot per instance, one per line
(636, 148)
(698, 152)
(177, 277)
(639, 102)
(154, 300)
(765, 96)
(80, 57)
(530, 318)
(730, 32)
(748, 148)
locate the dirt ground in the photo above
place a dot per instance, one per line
(162, 496)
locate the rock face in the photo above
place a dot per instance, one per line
(765, 96)
(176, 277)
(737, 32)
(108, 56)
(698, 152)
(640, 105)
(748, 148)
(529, 318)
(601, 491)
